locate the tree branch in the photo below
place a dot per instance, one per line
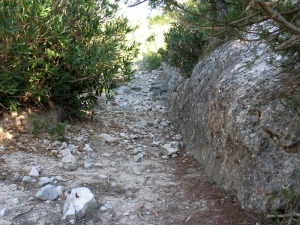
(289, 43)
(277, 17)
(136, 3)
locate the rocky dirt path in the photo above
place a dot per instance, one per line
(130, 157)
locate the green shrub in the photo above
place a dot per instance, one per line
(183, 47)
(61, 54)
(151, 61)
(288, 211)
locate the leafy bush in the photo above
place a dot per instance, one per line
(61, 54)
(151, 61)
(183, 47)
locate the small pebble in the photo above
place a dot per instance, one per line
(102, 176)
(3, 212)
(26, 179)
(165, 157)
(16, 201)
(103, 209)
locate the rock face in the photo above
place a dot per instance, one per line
(239, 118)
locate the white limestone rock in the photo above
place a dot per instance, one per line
(47, 192)
(35, 171)
(169, 148)
(102, 139)
(87, 148)
(69, 162)
(45, 180)
(80, 201)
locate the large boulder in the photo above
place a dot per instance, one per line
(239, 115)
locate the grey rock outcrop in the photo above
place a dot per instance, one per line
(237, 117)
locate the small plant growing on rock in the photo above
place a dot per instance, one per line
(289, 212)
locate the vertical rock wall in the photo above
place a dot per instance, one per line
(239, 116)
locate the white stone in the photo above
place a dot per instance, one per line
(178, 136)
(60, 191)
(102, 139)
(27, 179)
(35, 171)
(69, 162)
(3, 212)
(78, 202)
(108, 205)
(5, 222)
(2, 148)
(155, 143)
(16, 201)
(87, 165)
(56, 143)
(103, 209)
(64, 145)
(45, 180)
(46, 142)
(102, 176)
(47, 193)
(59, 178)
(66, 152)
(106, 154)
(33, 180)
(174, 155)
(138, 157)
(169, 148)
(88, 148)
(133, 136)
(72, 147)
(79, 139)
(137, 151)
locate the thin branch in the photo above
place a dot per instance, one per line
(136, 3)
(289, 43)
(3, 106)
(284, 215)
(277, 17)
(243, 19)
(198, 14)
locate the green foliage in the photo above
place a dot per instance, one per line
(184, 47)
(59, 131)
(151, 61)
(39, 124)
(276, 22)
(159, 20)
(289, 212)
(61, 53)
